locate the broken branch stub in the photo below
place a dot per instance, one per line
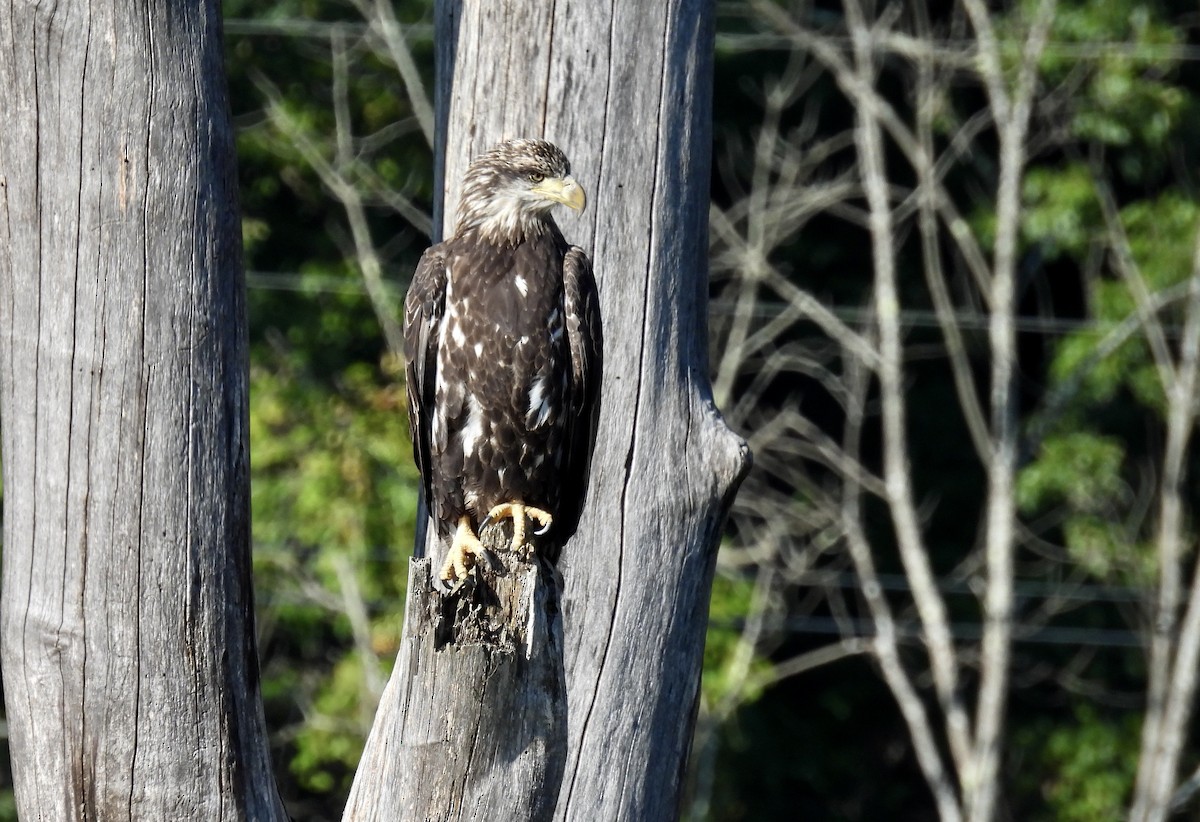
(478, 710)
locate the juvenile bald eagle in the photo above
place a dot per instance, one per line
(503, 359)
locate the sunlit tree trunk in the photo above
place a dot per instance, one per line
(625, 90)
(130, 670)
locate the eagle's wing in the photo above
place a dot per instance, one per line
(585, 336)
(423, 308)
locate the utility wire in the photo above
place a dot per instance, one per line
(962, 631)
(315, 284)
(1023, 589)
(735, 41)
(818, 625)
(315, 29)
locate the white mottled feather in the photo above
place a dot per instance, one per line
(472, 432)
(539, 404)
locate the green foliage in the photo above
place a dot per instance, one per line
(1080, 473)
(732, 598)
(292, 225)
(1092, 378)
(332, 478)
(1079, 468)
(1162, 232)
(1101, 548)
(328, 747)
(1083, 769)
(1060, 209)
(332, 467)
(1127, 93)
(333, 485)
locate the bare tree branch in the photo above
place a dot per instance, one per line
(913, 554)
(864, 96)
(1173, 660)
(388, 37)
(964, 381)
(885, 644)
(332, 175)
(1012, 114)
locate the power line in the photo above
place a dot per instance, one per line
(865, 628)
(311, 283)
(315, 29)
(965, 50)
(1023, 589)
(921, 318)
(316, 284)
(739, 41)
(963, 631)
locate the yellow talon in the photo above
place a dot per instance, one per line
(518, 512)
(465, 552)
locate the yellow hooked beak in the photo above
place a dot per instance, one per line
(562, 190)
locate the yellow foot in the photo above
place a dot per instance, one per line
(518, 512)
(465, 552)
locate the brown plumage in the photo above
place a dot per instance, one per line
(503, 357)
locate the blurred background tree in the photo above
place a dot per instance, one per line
(796, 721)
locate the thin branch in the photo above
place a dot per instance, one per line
(825, 655)
(833, 456)
(866, 98)
(885, 644)
(935, 277)
(804, 302)
(1131, 275)
(355, 609)
(387, 36)
(1173, 662)
(1012, 116)
(1061, 395)
(334, 179)
(930, 606)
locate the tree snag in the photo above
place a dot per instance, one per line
(473, 722)
(130, 667)
(634, 115)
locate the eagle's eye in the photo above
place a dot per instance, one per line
(536, 178)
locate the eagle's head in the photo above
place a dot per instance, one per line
(509, 191)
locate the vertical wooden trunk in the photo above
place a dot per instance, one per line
(472, 724)
(629, 90)
(625, 89)
(130, 670)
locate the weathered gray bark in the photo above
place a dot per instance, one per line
(625, 89)
(473, 722)
(130, 671)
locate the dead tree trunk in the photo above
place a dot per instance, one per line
(130, 669)
(625, 90)
(473, 722)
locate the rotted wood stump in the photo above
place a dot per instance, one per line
(477, 715)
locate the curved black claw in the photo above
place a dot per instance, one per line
(449, 588)
(493, 562)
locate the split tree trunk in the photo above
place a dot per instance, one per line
(625, 89)
(130, 671)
